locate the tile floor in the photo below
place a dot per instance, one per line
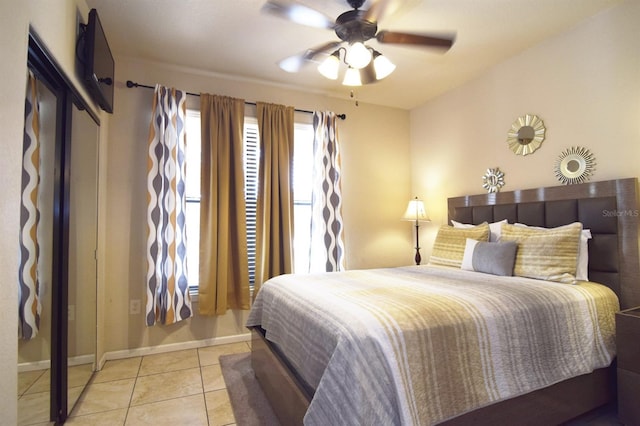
(174, 388)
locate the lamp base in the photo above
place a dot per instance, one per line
(418, 258)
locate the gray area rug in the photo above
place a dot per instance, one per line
(250, 405)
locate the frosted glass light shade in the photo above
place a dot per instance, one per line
(330, 67)
(383, 66)
(358, 56)
(352, 77)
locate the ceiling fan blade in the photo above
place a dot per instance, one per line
(296, 62)
(382, 8)
(415, 39)
(297, 13)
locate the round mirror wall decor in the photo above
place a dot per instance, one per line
(493, 180)
(575, 165)
(526, 134)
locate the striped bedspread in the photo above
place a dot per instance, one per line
(418, 345)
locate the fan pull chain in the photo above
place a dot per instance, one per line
(353, 96)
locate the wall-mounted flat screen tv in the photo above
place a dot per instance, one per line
(98, 64)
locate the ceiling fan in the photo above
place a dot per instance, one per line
(354, 28)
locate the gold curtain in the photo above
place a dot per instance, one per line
(274, 222)
(224, 268)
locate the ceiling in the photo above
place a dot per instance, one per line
(233, 37)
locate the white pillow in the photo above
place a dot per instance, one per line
(582, 269)
(495, 228)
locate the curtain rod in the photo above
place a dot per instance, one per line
(131, 84)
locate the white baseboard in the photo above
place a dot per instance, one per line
(129, 353)
(152, 350)
(33, 366)
(46, 364)
(81, 360)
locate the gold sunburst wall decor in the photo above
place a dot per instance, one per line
(493, 180)
(575, 165)
(526, 134)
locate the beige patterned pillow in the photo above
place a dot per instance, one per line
(448, 249)
(547, 254)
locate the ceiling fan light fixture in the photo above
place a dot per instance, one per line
(382, 65)
(358, 55)
(352, 77)
(353, 28)
(330, 66)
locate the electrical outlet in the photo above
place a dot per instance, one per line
(134, 307)
(71, 312)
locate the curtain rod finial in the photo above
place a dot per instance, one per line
(131, 84)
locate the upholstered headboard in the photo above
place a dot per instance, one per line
(608, 208)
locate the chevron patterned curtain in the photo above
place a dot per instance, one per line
(327, 245)
(168, 298)
(28, 288)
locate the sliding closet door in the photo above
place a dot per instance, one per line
(69, 136)
(34, 350)
(83, 232)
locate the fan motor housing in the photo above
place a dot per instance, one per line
(350, 27)
(356, 4)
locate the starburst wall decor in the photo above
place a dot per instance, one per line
(575, 165)
(493, 180)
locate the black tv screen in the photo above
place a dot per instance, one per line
(98, 63)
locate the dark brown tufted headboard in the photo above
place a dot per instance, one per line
(609, 209)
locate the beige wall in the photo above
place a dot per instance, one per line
(375, 152)
(584, 84)
(13, 39)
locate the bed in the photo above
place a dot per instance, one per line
(318, 372)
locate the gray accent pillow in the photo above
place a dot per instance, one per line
(497, 258)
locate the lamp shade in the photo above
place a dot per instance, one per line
(416, 211)
(382, 65)
(358, 56)
(352, 77)
(330, 66)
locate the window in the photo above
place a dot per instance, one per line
(302, 187)
(251, 156)
(302, 184)
(192, 189)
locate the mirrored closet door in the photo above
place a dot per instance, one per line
(34, 343)
(83, 243)
(57, 351)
